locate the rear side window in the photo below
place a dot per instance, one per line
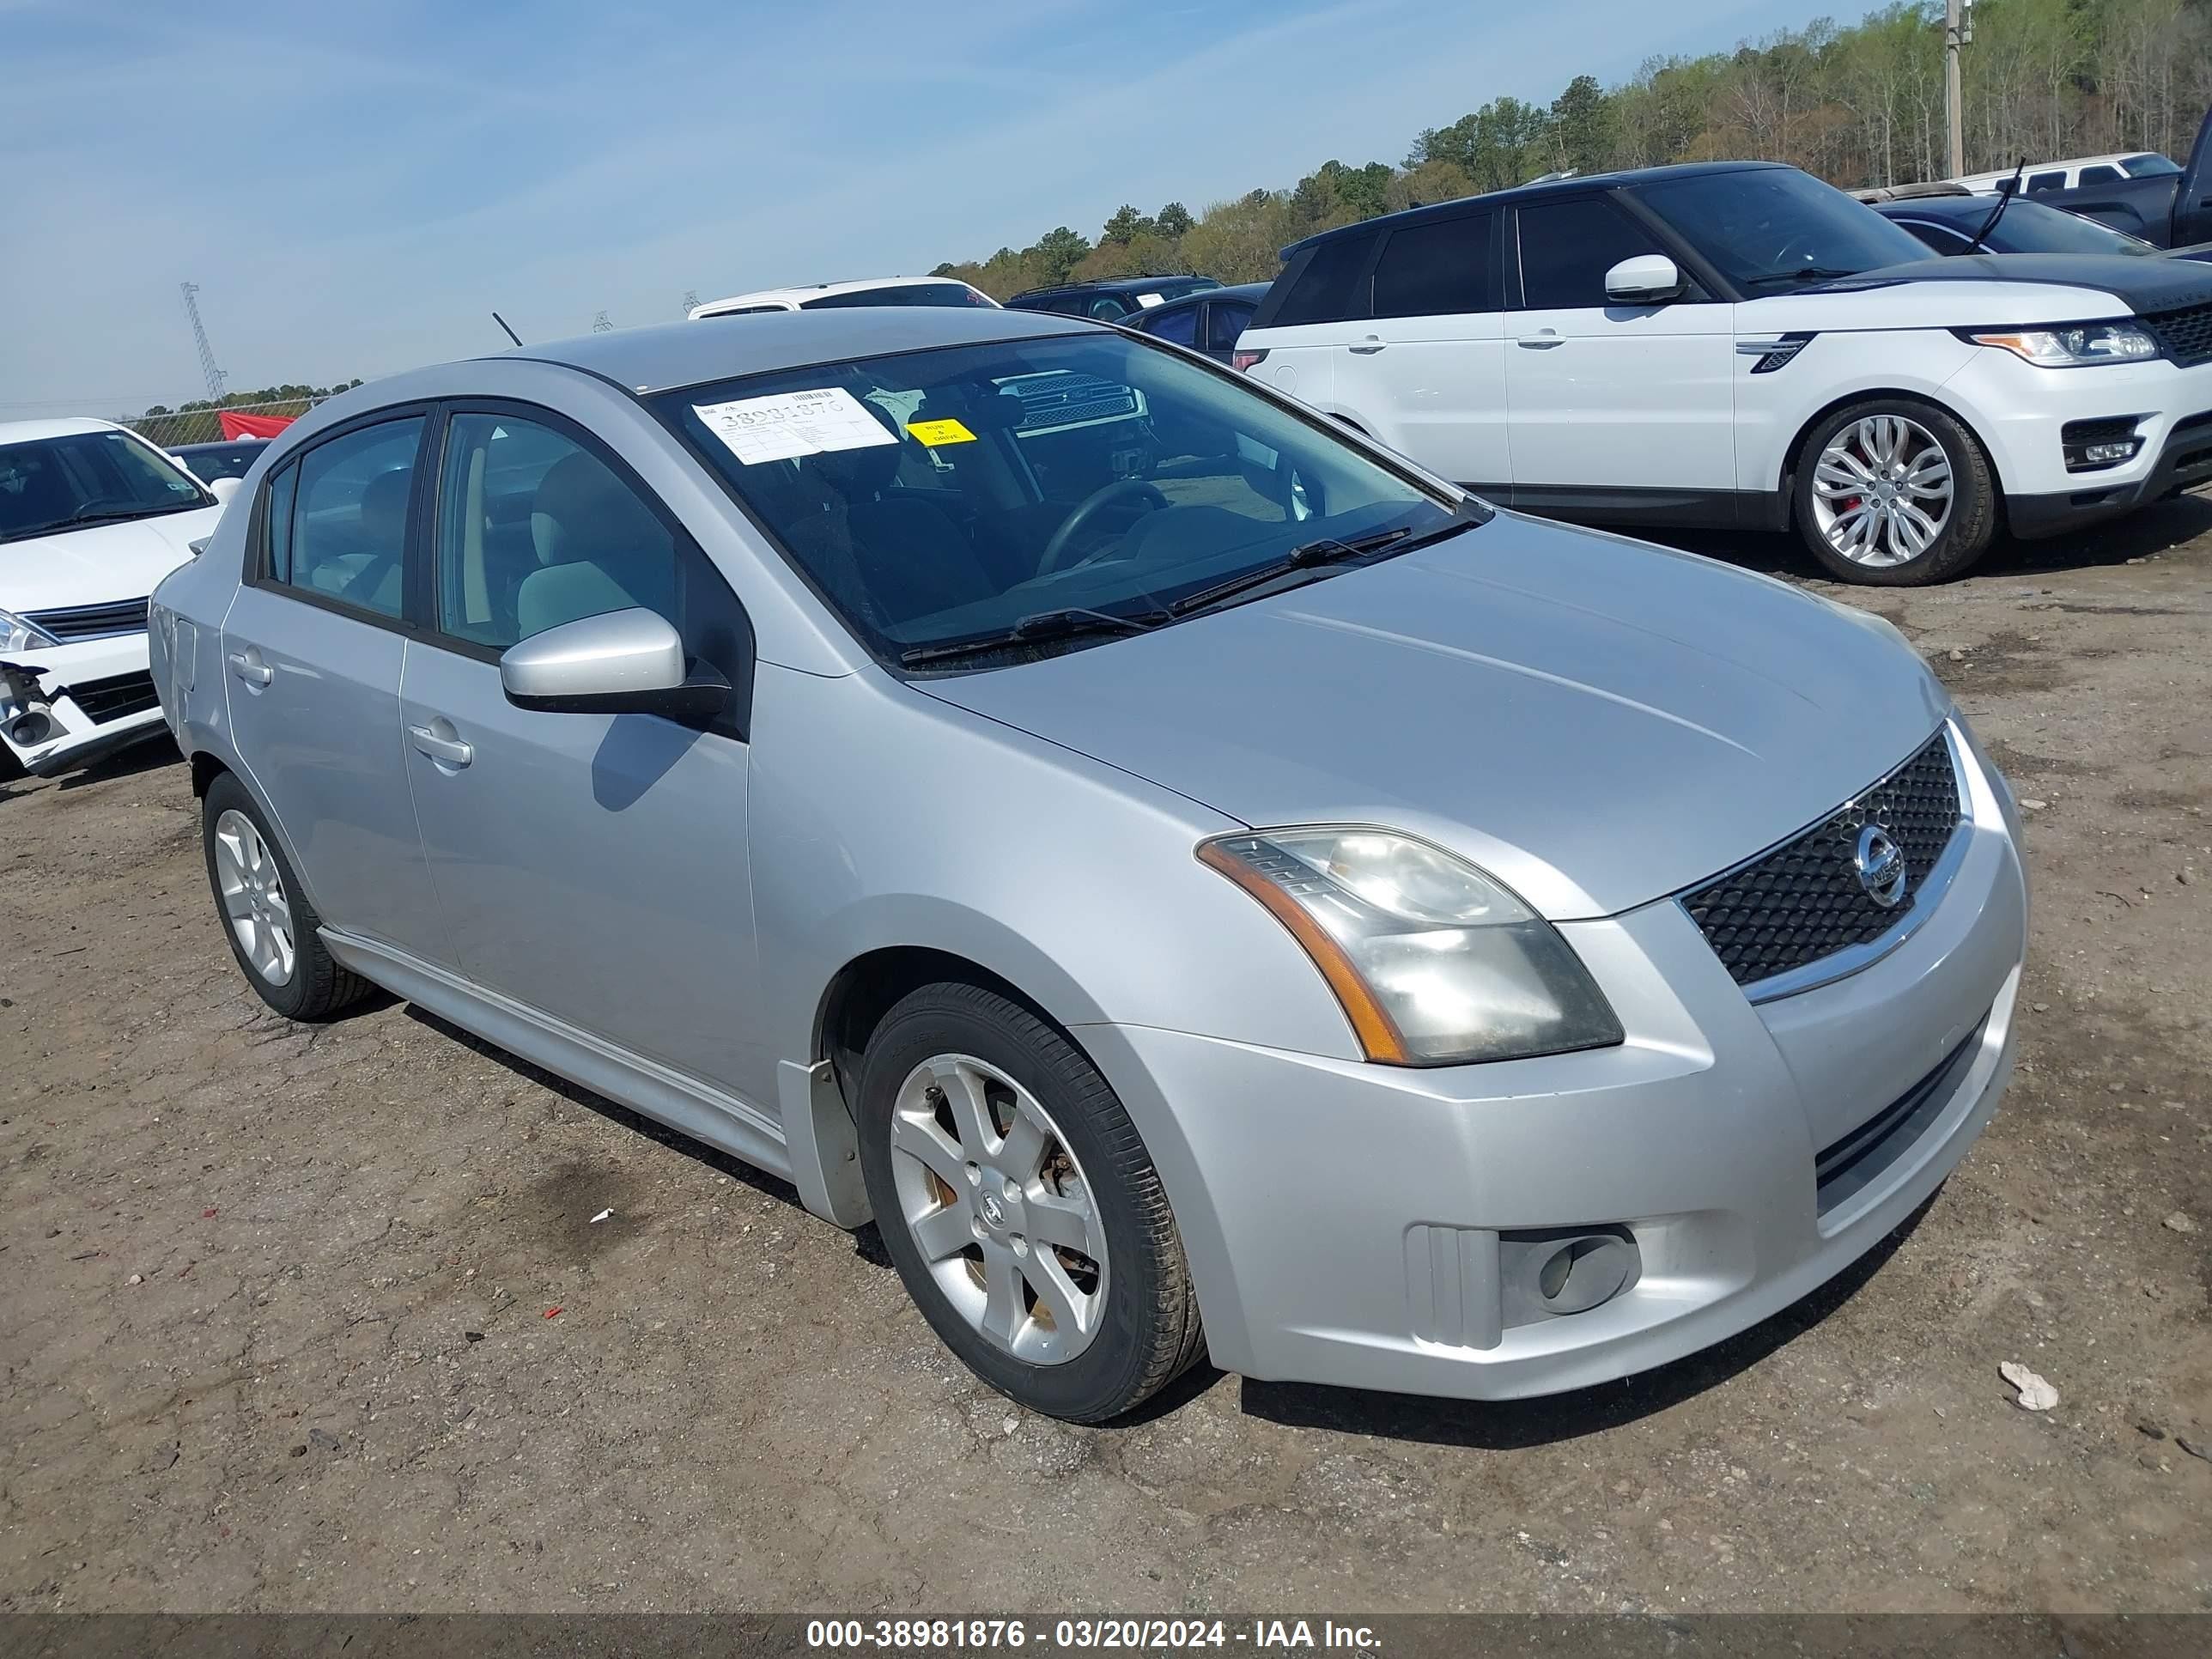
(1328, 284)
(2100, 175)
(1180, 325)
(343, 533)
(1566, 248)
(1436, 269)
(1941, 237)
(2040, 181)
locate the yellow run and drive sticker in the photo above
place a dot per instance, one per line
(934, 433)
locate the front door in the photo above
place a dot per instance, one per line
(591, 867)
(311, 651)
(1623, 408)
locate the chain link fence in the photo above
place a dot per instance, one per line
(171, 428)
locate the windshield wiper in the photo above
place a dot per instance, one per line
(92, 513)
(1807, 274)
(1041, 627)
(1329, 550)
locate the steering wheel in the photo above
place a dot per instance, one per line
(1088, 508)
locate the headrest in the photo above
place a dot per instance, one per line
(582, 511)
(383, 509)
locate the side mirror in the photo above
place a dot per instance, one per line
(223, 489)
(1649, 279)
(622, 662)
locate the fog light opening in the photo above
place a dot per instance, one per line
(1581, 1273)
(30, 729)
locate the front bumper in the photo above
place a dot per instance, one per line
(1344, 1221)
(2020, 412)
(88, 700)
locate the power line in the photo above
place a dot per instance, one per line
(216, 377)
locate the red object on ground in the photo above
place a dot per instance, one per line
(549, 1312)
(235, 427)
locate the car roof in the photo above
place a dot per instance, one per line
(17, 432)
(1118, 285)
(805, 291)
(1581, 183)
(669, 355)
(1200, 297)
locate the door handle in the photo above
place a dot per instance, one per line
(248, 666)
(452, 750)
(1542, 342)
(1370, 346)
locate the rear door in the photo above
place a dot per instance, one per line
(1315, 311)
(311, 651)
(1427, 374)
(1614, 408)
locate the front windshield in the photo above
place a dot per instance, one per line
(49, 485)
(1766, 228)
(2149, 166)
(953, 495)
(2032, 227)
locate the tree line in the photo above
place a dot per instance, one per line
(1857, 106)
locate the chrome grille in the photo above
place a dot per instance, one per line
(1797, 903)
(69, 623)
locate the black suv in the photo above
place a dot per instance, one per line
(1109, 301)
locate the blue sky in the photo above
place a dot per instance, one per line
(356, 186)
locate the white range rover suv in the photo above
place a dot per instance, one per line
(91, 517)
(1738, 344)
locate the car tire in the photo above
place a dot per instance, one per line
(1143, 1324)
(1853, 444)
(260, 902)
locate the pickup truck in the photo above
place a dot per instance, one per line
(2172, 209)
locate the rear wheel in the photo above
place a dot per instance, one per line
(273, 930)
(1895, 492)
(1019, 1206)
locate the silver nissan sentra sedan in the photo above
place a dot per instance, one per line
(1194, 880)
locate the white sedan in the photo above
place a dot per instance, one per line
(91, 517)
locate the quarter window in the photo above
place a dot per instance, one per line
(1225, 319)
(1330, 286)
(338, 525)
(1566, 248)
(1436, 269)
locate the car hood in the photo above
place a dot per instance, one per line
(2145, 285)
(100, 563)
(1595, 722)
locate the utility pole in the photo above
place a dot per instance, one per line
(1958, 29)
(690, 301)
(601, 326)
(216, 377)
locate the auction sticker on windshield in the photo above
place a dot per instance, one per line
(934, 433)
(793, 424)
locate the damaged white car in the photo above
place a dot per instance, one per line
(91, 517)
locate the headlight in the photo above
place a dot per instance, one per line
(18, 634)
(1433, 961)
(2075, 347)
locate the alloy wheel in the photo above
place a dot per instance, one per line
(999, 1209)
(254, 897)
(1882, 490)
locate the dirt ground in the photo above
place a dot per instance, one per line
(277, 1304)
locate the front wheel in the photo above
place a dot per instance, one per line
(1895, 492)
(1019, 1206)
